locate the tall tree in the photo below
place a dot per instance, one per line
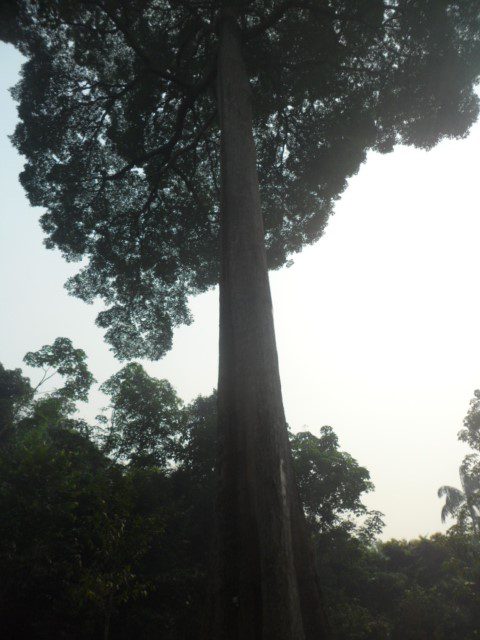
(143, 146)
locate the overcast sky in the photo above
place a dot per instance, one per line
(377, 324)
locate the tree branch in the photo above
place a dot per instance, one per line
(272, 18)
(165, 74)
(164, 148)
(277, 14)
(191, 145)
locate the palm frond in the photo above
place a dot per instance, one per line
(454, 498)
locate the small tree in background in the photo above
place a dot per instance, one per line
(464, 504)
(145, 418)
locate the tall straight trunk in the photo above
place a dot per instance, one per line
(265, 585)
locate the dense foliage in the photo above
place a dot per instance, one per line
(105, 528)
(119, 126)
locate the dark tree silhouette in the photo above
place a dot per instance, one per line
(143, 146)
(144, 417)
(15, 393)
(62, 359)
(464, 504)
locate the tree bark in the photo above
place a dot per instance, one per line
(265, 585)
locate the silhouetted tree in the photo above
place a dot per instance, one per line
(145, 418)
(464, 504)
(63, 359)
(59, 362)
(144, 148)
(330, 481)
(21, 404)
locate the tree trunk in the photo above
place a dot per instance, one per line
(472, 512)
(107, 617)
(265, 585)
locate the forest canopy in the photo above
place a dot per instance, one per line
(103, 536)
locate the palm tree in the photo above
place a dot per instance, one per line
(464, 503)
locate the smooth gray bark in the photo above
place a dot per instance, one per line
(265, 586)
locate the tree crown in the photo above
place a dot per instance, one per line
(118, 122)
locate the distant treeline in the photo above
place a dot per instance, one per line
(105, 528)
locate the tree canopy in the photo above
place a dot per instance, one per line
(120, 131)
(146, 417)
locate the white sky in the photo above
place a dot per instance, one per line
(377, 324)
